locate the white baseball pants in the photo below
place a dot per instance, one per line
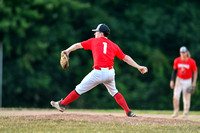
(104, 76)
(180, 86)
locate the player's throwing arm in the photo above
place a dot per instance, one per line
(131, 62)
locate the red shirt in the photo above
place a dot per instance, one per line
(103, 51)
(185, 68)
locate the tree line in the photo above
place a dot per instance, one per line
(34, 32)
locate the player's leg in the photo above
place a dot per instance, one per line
(186, 97)
(176, 97)
(186, 103)
(60, 105)
(70, 98)
(122, 102)
(111, 87)
(89, 82)
(86, 84)
(119, 99)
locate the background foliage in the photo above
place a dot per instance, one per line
(33, 32)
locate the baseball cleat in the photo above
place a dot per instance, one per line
(58, 106)
(185, 115)
(174, 115)
(131, 114)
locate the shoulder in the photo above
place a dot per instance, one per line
(110, 42)
(191, 60)
(114, 44)
(91, 39)
(96, 39)
(177, 59)
(117, 47)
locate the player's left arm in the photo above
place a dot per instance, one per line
(132, 63)
(195, 74)
(73, 48)
(194, 79)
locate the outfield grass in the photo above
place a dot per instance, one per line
(61, 126)
(21, 125)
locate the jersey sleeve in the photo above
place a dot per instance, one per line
(175, 64)
(119, 53)
(87, 45)
(194, 67)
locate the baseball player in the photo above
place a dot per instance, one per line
(104, 52)
(184, 69)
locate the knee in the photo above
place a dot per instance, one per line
(176, 96)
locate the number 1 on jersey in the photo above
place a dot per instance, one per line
(104, 47)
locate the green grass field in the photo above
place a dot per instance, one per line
(61, 126)
(18, 124)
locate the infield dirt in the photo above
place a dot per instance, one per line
(101, 117)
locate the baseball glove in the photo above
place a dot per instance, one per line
(190, 89)
(64, 60)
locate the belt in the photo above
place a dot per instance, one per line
(99, 68)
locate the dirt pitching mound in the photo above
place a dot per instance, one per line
(102, 117)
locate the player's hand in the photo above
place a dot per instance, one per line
(143, 69)
(194, 87)
(172, 84)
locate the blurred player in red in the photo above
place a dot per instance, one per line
(104, 52)
(184, 70)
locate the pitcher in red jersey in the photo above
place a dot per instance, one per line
(184, 70)
(104, 52)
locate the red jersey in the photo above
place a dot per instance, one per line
(103, 51)
(185, 68)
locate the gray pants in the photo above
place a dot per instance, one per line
(104, 76)
(180, 86)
